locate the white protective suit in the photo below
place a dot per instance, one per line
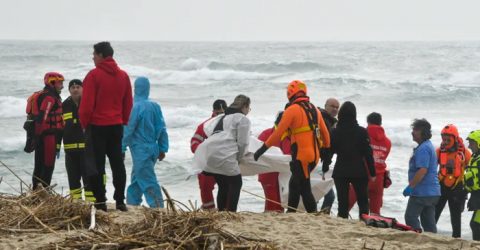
(221, 152)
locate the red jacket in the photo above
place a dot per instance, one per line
(199, 135)
(107, 96)
(381, 146)
(50, 118)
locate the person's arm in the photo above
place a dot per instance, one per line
(243, 136)
(135, 116)
(367, 152)
(45, 108)
(422, 158)
(324, 132)
(421, 172)
(87, 104)
(282, 127)
(127, 101)
(197, 138)
(162, 140)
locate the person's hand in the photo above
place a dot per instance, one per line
(161, 156)
(407, 191)
(325, 167)
(260, 152)
(373, 179)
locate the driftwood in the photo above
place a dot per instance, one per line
(44, 211)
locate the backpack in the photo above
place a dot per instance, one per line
(32, 110)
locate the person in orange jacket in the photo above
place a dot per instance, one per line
(452, 159)
(308, 134)
(269, 181)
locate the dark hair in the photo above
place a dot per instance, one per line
(219, 104)
(374, 118)
(348, 111)
(103, 48)
(74, 82)
(424, 126)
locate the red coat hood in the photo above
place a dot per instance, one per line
(109, 65)
(376, 132)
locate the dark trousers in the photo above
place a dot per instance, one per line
(475, 225)
(76, 172)
(106, 141)
(45, 152)
(228, 191)
(456, 203)
(360, 185)
(299, 186)
(328, 200)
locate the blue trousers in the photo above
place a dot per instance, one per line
(144, 181)
(423, 207)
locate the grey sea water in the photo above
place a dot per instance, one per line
(439, 81)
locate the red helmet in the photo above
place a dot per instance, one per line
(295, 87)
(51, 77)
(450, 129)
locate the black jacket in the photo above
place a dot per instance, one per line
(352, 145)
(326, 153)
(73, 137)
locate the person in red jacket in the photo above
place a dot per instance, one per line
(206, 183)
(269, 181)
(48, 129)
(105, 107)
(381, 146)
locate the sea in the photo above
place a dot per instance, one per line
(439, 81)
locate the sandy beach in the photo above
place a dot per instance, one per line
(284, 231)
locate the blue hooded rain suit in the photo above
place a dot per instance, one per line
(146, 136)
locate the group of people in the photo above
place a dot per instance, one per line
(312, 135)
(99, 119)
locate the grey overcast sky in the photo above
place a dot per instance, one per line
(240, 20)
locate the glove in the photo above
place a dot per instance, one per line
(260, 152)
(407, 191)
(161, 156)
(325, 167)
(58, 155)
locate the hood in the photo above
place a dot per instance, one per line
(376, 132)
(109, 65)
(347, 114)
(142, 89)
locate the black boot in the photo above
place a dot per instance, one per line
(101, 206)
(121, 206)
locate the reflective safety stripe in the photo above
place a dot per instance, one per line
(75, 121)
(67, 116)
(198, 137)
(104, 179)
(76, 193)
(477, 216)
(301, 130)
(89, 196)
(208, 205)
(58, 146)
(297, 131)
(73, 145)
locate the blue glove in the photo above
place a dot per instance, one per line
(407, 191)
(58, 155)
